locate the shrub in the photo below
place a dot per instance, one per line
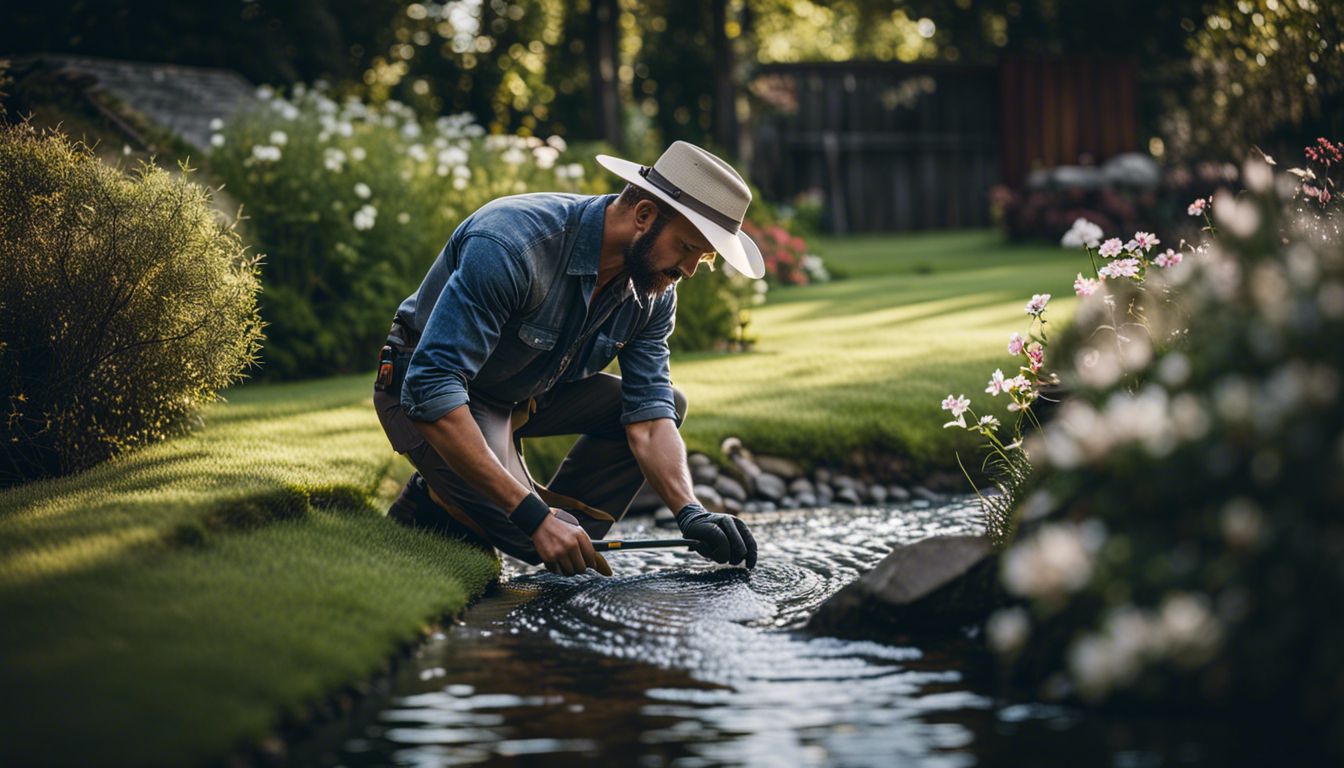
(1191, 490)
(352, 202)
(125, 304)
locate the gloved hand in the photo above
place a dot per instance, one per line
(721, 538)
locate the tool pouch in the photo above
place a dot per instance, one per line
(387, 369)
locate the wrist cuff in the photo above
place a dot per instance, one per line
(530, 513)
(687, 509)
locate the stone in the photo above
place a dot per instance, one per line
(751, 507)
(920, 492)
(788, 502)
(898, 493)
(939, 584)
(770, 486)
(848, 495)
(732, 507)
(766, 506)
(802, 485)
(663, 518)
(806, 500)
(821, 475)
(646, 500)
(705, 474)
(824, 495)
(699, 460)
(729, 488)
(877, 494)
(844, 481)
(730, 445)
(709, 497)
(780, 467)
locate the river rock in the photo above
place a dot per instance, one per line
(705, 474)
(779, 467)
(770, 486)
(663, 518)
(709, 497)
(844, 481)
(699, 460)
(729, 488)
(821, 476)
(937, 584)
(751, 507)
(824, 494)
(802, 485)
(766, 506)
(806, 500)
(898, 493)
(877, 494)
(920, 492)
(788, 502)
(646, 500)
(848, 495)
(732, 507)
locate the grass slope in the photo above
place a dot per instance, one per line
(863, 362)
(166, 607)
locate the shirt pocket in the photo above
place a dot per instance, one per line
(605, 348)
(538, 336)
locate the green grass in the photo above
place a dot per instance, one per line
(172, 605)
(863, 362)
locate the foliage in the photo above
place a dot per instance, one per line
(352, 202)
(787, 261)
(183, 601)
(1185, 528)
(125, 305)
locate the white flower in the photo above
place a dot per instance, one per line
(216, 124)
(1050, 564)
(265, 92)
(333, 159)
(362, 191)
(358, 154)
(996, 383)
(289, 111)
(365, 217)
(459, 184)
(989, 422)
(265, 153)
(1082, 233)
(957, 405)
(279, 138)
(403, 218)
(1007, 630)
(1085, 286)
(417, 153)
(545, 156)
(557, 143)
(1111, 248)
(462, 172)
(1037, 304)
(513, 156)
(217, 140)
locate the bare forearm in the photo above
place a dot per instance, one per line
(458, 439)
(661, 454)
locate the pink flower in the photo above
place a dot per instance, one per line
(1146, 240)
(1196, 208)
(1168, 259)
(1037, 304)
(1015, 343)
(1111, 248)
(1085, 286)
(957, 405)
(1036, 354)
(1120, 268)
(996, 383)
(1018, 382)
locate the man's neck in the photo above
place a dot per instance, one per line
(611, 259)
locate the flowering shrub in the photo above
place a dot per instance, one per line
(125, 305)
(787, 261)
(1183, 538)
(351, 203)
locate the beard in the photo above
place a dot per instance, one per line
(647, 280)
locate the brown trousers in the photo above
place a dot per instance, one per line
(596, 482)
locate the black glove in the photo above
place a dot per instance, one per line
(721, 538)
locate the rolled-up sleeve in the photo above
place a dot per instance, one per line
(487, 287)
(646, 376)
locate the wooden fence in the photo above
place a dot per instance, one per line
(918, 146)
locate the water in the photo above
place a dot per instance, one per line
(679, 661)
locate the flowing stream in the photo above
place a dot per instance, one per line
(679, 661)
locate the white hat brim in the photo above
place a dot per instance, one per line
(735, 247)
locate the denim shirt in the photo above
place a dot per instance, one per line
(507, 312)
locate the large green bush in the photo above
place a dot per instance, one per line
(124, 304)
(352, 202)
(1183, 545)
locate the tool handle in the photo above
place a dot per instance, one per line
(613, 545)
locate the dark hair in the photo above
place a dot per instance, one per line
(633, 193)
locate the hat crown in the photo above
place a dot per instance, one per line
(702, 175)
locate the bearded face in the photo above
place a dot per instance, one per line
(647, 279)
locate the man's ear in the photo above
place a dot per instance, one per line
(646, 212)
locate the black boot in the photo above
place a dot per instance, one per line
(414, 507)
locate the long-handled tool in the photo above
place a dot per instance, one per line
(613, 545)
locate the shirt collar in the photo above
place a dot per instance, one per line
(588, 248)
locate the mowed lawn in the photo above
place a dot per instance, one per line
(173, 605)
(864, 361)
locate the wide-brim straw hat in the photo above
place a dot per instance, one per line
(705, 190)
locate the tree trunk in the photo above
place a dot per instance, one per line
(603, 69)
(725, 88)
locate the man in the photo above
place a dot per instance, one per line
(507, 336)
